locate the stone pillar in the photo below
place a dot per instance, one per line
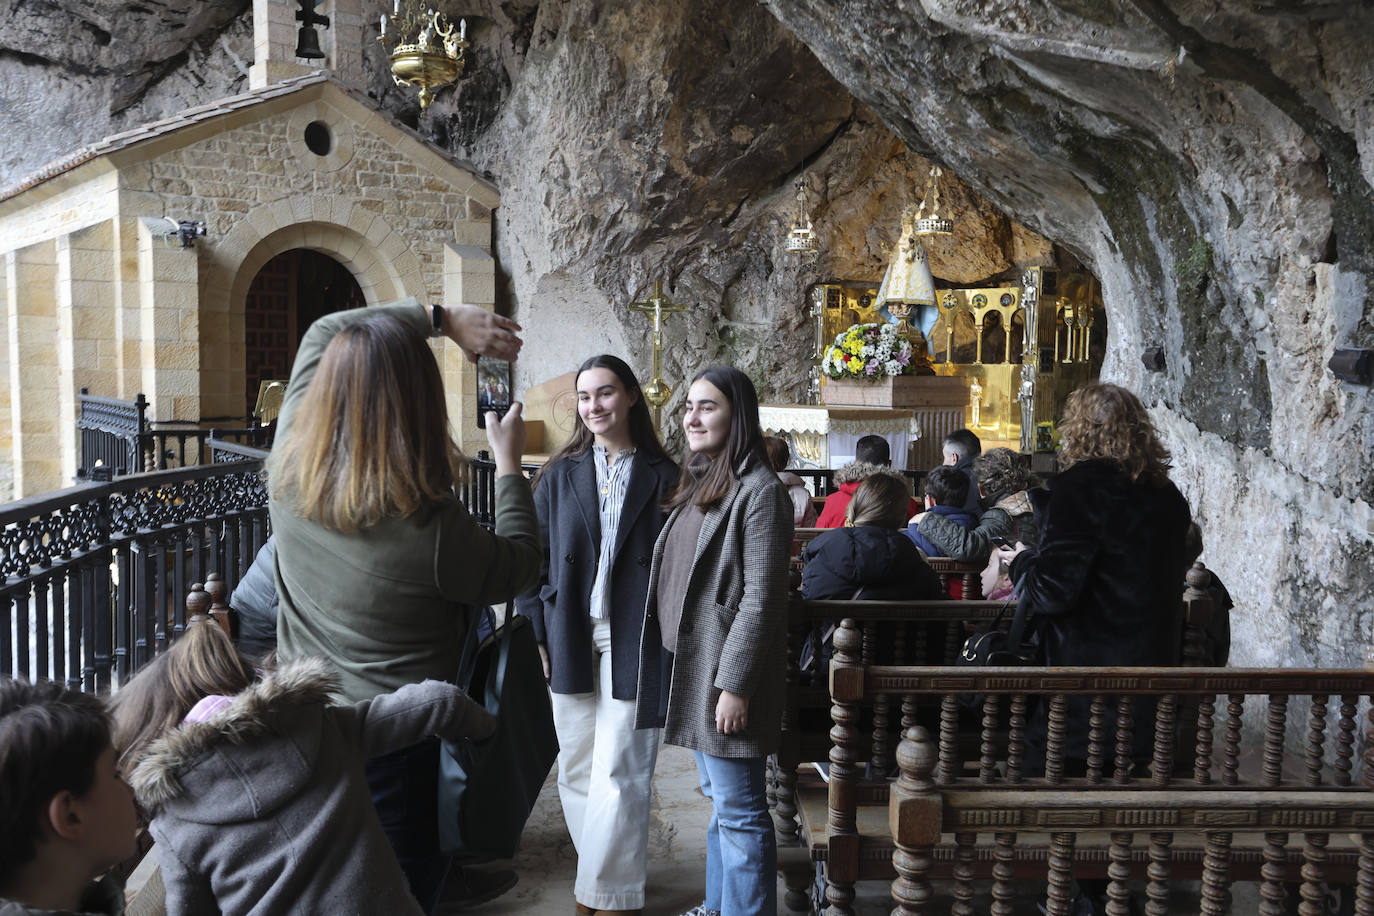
(469, 278)
(31, 316)
(169, 324)
(85, 328)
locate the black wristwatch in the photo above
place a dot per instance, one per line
(436, 318)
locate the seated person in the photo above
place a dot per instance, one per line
(65, 815)
(1003, 483)
(869, 558)
(255, 602)
(1217, 633)
(803, 513)
(945, 491)
(996, 579)
(959, 449)
(872, 455)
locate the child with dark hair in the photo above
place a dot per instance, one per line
(1003, 483)
(65, 815)
(946, 487)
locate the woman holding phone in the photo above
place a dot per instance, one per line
(714, 650)
(598, 504)
(377, 561)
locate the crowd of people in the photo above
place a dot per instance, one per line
(297, 771)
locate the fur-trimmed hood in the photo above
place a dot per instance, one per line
(1017, 503)
(856, 471)
(192, 763)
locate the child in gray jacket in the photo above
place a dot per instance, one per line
(255, 790)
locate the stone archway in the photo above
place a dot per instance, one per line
(285, 297)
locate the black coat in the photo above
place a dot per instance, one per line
(569, 519)
(881, 562)
(1103, 585)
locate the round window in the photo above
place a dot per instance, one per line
(318, 139)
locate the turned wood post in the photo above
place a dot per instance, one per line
(846, 692)
(914, 810)
(219, 597)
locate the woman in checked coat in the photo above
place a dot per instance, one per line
(713, 653)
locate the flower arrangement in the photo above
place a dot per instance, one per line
(869, 351)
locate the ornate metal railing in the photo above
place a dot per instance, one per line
(118, 435)
(92, 578)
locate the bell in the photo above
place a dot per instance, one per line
(308, 43)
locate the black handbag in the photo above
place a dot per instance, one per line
(488, 788)
(996, 647)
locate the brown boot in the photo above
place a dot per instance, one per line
(584, 910)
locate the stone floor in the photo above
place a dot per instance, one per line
(546, 863)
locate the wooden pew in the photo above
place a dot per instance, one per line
(1222, 805)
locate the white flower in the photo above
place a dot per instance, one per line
(867, 351)
(892, 367)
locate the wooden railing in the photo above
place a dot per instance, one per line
(1249, 774)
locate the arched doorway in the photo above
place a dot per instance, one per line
(286, 295)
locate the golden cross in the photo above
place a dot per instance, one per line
(657, 392)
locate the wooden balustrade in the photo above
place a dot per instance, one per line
(1241, 809)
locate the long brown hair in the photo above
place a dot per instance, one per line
(1107, 421)
(708, 478)
(371, 437)
(880, 500)
(642, 432)
(202, 662)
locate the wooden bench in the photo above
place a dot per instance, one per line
(1219, 803)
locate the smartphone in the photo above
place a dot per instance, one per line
(493, 388)
(1002, 542)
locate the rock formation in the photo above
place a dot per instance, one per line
(1211, 162)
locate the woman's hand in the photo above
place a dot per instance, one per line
(732, 713)
(480, 332)
(506, 436)
(544, 657)
(1007, 554)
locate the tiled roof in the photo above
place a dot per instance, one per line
(213, 110)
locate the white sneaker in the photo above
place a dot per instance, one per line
(701, 910)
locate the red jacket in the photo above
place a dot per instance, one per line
(832, 516)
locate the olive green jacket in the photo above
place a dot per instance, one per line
(386, 605)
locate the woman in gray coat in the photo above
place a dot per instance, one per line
(713, 653)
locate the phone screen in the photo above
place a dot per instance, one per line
(493, 388)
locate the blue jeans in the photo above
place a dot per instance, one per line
(741, 850)
(404, 787)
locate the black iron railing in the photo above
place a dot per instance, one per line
(479, 493)
(93, 578)
(118, 435)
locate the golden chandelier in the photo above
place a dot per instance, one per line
(428, 51)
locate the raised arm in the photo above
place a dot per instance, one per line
(967, 545)
(392, 721)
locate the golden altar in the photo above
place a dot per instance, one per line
(1013, 382)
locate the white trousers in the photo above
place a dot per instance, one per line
(605, 769)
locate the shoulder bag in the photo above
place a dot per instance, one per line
(488, 788)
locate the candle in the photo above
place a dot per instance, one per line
(462, 29)
(397, 7)
(383, 23)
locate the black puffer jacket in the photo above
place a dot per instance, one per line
(1103, 585)
(878, 563)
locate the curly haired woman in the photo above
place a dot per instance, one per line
(1103, 584)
